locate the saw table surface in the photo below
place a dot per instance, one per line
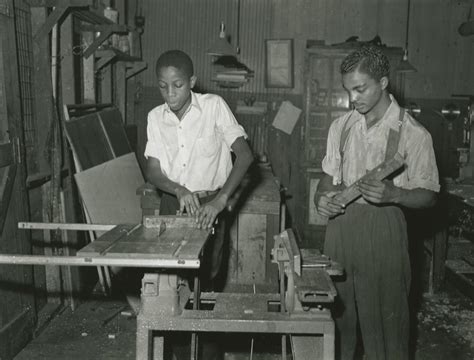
(137, 241)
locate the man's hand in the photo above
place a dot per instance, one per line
(187, 201)
(207, 213)
(378, 192)
(326, 205)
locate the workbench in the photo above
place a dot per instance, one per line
(255, 220)
(459, 257)
(172, 243)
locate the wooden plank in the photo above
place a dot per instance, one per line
(170, 221)
(108, 191)
(261, 207)
(104, 35)
(252, 248)
(6, 154)
(380, 172)
(121, 88)
(53, 275)
(105, 74)
(6, 190)
(134, 68)
(54, 261)
(64, 226)
(88, 71)
(52, 19)
(273, 228)
(306, 347)
(103, 242)
(53, 3)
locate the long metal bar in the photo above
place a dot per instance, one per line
(64, 226)
(98, 261)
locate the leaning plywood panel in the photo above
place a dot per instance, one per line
(108, 191)
(89, 141)
(115, 131)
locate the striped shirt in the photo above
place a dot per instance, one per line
(365, 149)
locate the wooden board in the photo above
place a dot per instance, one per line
(108, 191)
(252, 231)
(114, 129)
(88, 141)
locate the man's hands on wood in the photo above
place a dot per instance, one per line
(207, 213)
(378, 192)
(327, 205)
(204, 214)
(187, 201)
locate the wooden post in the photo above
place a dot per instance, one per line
(88, 71)
(121, 88)
(53, 274)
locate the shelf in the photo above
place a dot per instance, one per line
(61, 7)
(105, 30)
(134, 65)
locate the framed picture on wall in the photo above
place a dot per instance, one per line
(279, 63)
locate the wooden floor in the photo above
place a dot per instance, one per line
(97, 330)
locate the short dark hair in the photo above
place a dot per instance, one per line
(176, 58)
(368, 59)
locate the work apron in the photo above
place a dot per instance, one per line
(371, 243)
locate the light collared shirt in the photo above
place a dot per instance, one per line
(365, 149)
(196, 151)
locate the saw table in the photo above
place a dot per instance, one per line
(172, 243)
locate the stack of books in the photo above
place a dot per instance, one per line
(229, 72)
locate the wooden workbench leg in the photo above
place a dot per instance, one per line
(329, 340)
(158, 347)
(143, 342)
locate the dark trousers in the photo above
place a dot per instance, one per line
(371, 244)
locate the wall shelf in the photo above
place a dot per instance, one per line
(61, 8)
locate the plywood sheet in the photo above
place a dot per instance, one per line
(108, 191)
(88, 141)
(114, 128)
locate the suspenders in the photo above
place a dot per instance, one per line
(392, 141)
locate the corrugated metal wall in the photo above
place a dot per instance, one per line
(442, 56)
(192, 26)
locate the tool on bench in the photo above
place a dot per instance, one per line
(380, 172)
(309, 288)
(308, 276)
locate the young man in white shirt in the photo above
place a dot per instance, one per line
(190, 140)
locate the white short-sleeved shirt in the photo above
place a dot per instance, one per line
(365, 150)
(196, 151)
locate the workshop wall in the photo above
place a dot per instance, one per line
(443, 57)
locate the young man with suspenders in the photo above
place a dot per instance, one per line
(369, 236)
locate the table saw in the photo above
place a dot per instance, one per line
(168, 244)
